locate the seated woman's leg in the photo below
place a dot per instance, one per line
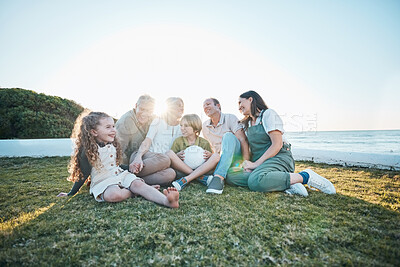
(273, 174)
(237, 177)
(268, 177)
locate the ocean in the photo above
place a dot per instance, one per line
(374, 148)
(386, 142)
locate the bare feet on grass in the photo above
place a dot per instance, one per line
(172, 195)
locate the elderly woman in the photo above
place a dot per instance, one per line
(162, 132)
(272, 166)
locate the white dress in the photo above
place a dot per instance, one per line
(109, 174)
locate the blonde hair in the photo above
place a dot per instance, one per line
(85, 141)
(193, 121)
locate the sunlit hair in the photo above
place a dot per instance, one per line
(256, 106)
(194, 121)
(146, 100)
(85, 141)
(172, 103)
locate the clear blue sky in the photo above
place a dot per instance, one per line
(324, 65)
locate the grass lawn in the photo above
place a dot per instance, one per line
(360, 225)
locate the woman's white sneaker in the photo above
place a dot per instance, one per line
(297, 189)
(319, 182)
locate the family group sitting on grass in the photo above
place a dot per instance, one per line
(143, 152)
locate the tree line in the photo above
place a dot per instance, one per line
(27, 114)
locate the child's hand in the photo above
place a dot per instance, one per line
(62, 194)
(181, 155)
(207, 154)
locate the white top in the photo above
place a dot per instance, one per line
(271, 121)
(162, 135)
(109, 173)
(227, 123)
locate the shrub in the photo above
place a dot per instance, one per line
(27, 114)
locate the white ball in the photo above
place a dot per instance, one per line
(194, 156)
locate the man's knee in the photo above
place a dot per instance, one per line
(230, 142)
(228, 137)
(157, 162)
(170, 174)
(163, 160)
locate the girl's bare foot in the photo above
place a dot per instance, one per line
(172, 195)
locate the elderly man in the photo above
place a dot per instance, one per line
(227, 138)
(132, 129)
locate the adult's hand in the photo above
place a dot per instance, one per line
(181, 155)
(249, 166)
(136, 166)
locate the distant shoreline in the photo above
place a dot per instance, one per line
(357, 159)
(64, 147)
(334, 131)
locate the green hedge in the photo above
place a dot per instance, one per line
(27, 114)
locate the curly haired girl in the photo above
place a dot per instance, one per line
(98, 154)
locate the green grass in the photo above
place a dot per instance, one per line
(360, 225)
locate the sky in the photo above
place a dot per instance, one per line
(322, 65)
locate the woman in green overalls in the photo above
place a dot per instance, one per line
(272, 166)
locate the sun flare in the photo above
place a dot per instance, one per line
(160, 106)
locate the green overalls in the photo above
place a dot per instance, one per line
(272, 174)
